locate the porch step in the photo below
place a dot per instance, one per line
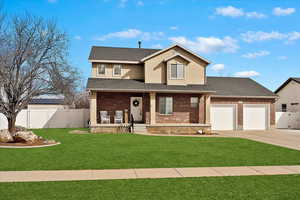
(140, 128)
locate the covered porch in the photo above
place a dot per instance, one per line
(158, 111)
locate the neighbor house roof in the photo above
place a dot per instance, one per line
(218, 86)
(296, 79)
(47, 101)
(101, 53)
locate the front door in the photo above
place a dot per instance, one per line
(136, 108)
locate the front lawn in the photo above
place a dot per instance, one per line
(108, 151)
(217, 188)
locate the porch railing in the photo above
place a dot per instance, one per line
(131, 121)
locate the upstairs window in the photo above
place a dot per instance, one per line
(165, 105)
(177, 71)
(101, 69)
(117, 70)
(283, 107)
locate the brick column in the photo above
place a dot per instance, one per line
(272, 116)
(93, 108)
(152, 108)
(240, 115)
(207, 109)
(201, 109)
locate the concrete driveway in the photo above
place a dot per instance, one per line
(280, 137)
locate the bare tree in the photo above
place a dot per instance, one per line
(33, 55)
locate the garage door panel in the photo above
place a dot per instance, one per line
(223, 117)
(255, 117)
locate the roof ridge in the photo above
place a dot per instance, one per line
(123, 47)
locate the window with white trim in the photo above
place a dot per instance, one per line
(177, 71)
(101, 69)
(194, 102)
(165, 105)
(117, 70)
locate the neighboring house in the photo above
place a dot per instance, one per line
(168, 91)
(289, 96)
(46, 104)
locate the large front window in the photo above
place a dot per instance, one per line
(177, 71)
(166, 105)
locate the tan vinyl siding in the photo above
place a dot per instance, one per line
(128, 71)
(156, 69)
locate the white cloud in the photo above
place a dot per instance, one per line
(152, 35)
(174, 28)
(122, 3)
(283, 11)
(230, 11)
(252, 36)
(256, 54)
(208, 44)
(218, 67)
(140, 3)
(282, 57)
(157, 46)
(132, 33)
(52, 1)
(255, 15)
(77, 37)
(247, 74)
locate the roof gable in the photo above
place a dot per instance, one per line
(177, 55)
(171, 47)
(296, 79)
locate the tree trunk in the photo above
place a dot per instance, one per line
(12, 125)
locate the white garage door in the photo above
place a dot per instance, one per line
(223, 117)
(255, 117)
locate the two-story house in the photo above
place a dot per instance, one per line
(167, 91)
(289, 96)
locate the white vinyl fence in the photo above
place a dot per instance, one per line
(290, 120)
(69, 118)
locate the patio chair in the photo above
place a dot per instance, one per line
(104, 117)
(118, 117)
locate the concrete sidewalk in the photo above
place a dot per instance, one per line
(72, 175)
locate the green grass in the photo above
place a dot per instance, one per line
(217, 188)
(108, 151)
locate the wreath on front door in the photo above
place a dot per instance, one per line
(136, 103)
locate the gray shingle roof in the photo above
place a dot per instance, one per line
(234, 86)
(47, 101)
(297, 79)
(219, 86)
(119, 54)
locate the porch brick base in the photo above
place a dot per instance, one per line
(109, 129)
(178, 130)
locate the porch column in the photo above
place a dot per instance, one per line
(93, 108)
(207, 109)
(152, 107)
(201, 109)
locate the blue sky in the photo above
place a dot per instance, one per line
(256, 38)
